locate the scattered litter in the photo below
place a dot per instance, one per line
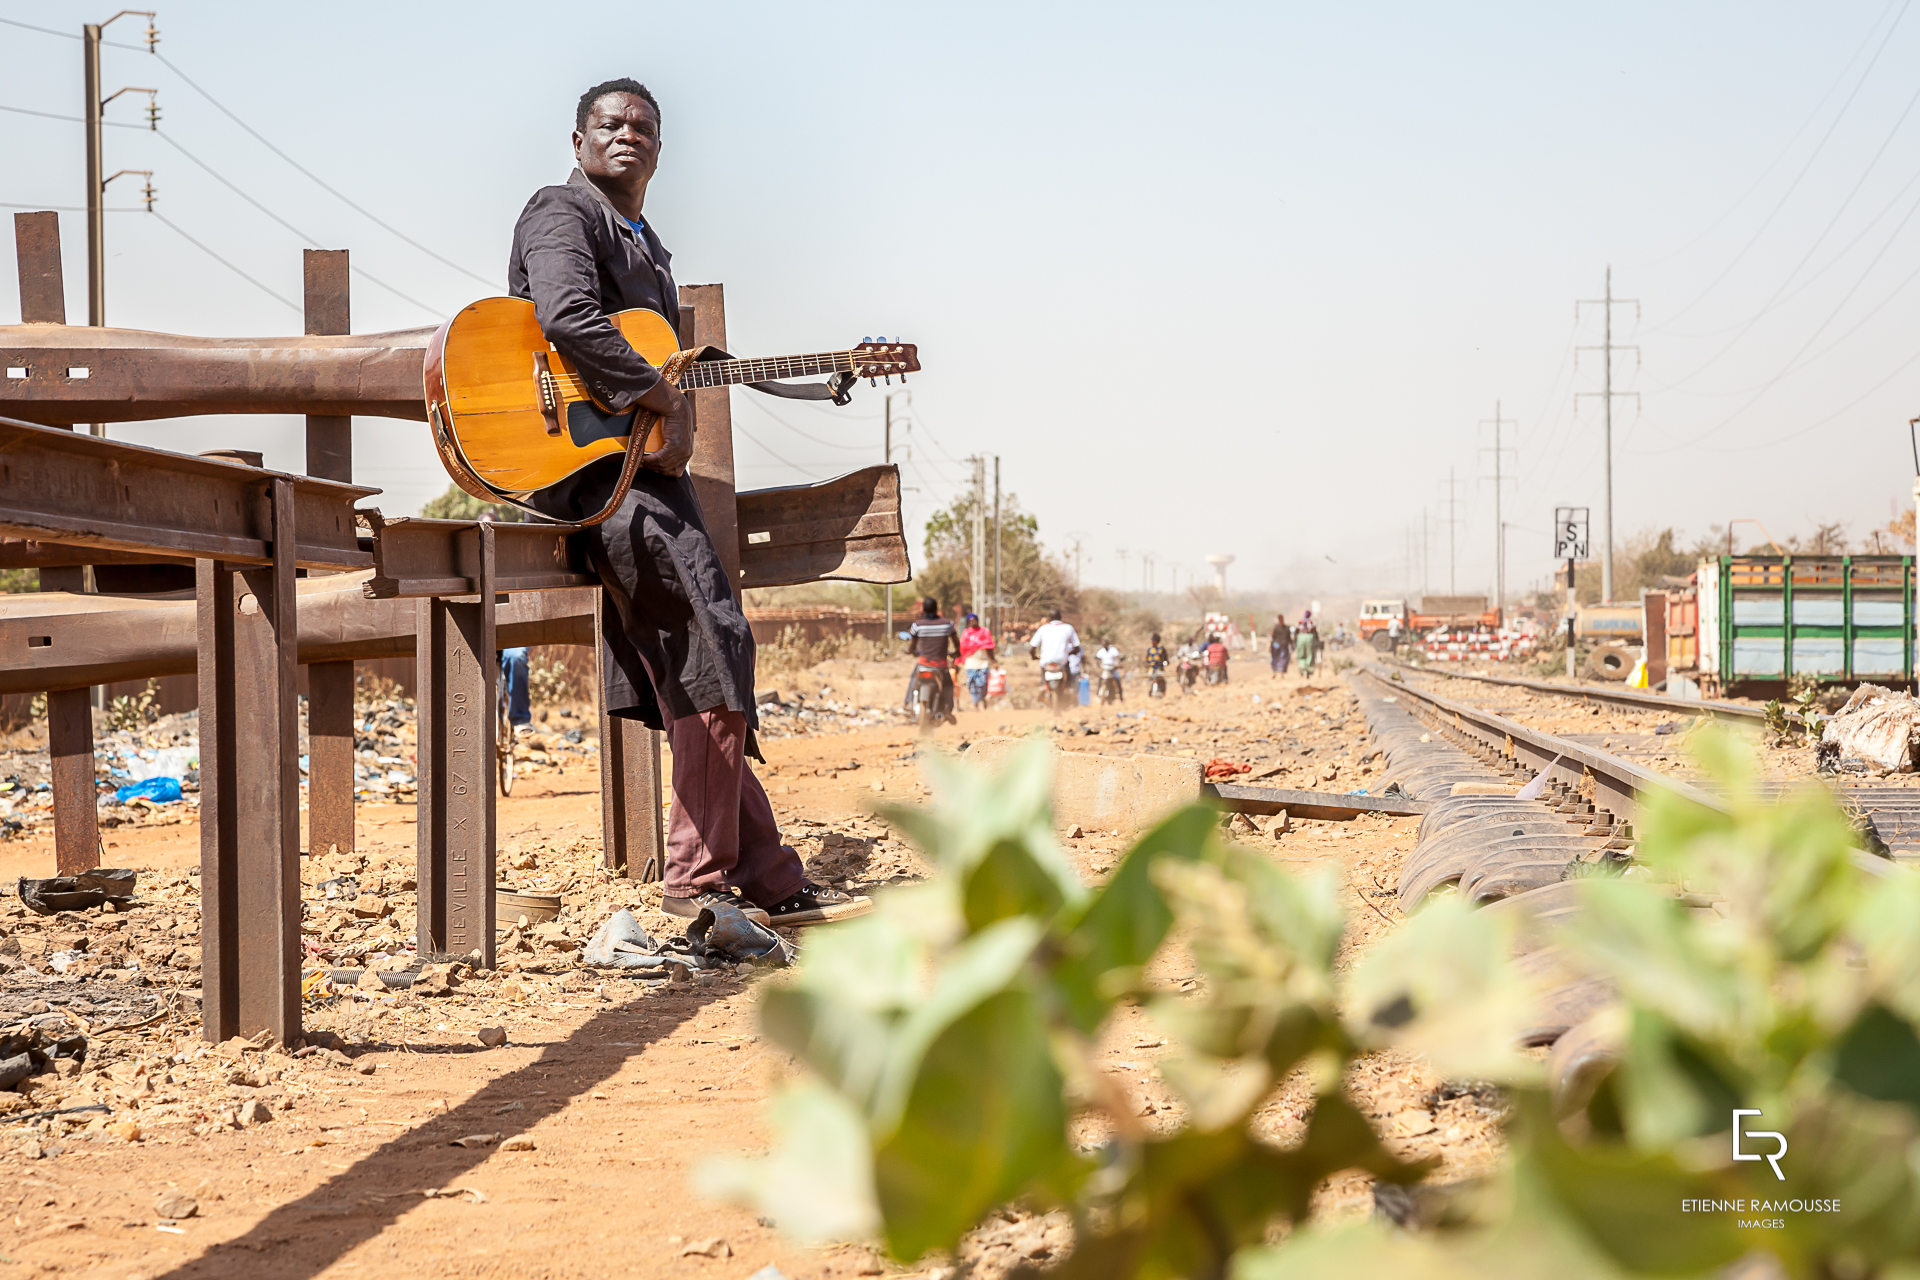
(76, 893)
(158, 790)
(725, 932)
(476, 1140)
(474, 1194)
(1219, 769)
(1875, 731)
(714, 1247)
(622, 944)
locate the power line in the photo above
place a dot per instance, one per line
(1797, 178)
(177, 230)
(311, 242)
(776, 457)
(171, 141)
(320, 182)
(851, 448)
(257, 136)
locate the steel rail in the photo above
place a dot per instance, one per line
(1617, 697)
(1619, 784)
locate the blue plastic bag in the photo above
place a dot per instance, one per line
(158, 790)
(1086, 692)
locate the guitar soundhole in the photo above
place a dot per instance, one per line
(587, 422)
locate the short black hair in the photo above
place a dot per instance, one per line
(625, 84)
(1053, 615)
(930, 607)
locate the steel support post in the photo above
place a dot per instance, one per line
(631, 785)
(703, 322)
(76, 815)
(249, 790)
(329, 684)
(458, 669)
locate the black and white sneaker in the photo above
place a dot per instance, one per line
(688, 908)
(817, 904)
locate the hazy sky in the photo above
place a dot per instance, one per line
(1208, 278)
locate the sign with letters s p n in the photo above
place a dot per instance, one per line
(1570, 533)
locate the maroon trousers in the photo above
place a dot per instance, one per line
(723, 830)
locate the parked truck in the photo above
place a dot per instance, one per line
(1455, 613)
(1376, 619)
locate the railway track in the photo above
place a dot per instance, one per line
(1888, 813)
(1631, 698)
(1519, 855)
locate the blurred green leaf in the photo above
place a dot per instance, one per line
(1879, 1057)
(1127, 920)
(983, 1119)
(1440, 986)
(1006, 882)
(818, 1183)
(1669, 1086)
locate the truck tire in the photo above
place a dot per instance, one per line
(1383, 642)
(1611, 662)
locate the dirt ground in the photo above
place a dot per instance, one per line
(580, 1132)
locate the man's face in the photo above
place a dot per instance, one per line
(621, 141)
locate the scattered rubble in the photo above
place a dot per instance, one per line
(1876, 731)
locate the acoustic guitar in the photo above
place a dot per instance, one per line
(511, 416)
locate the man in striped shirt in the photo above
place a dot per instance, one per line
(934, 643)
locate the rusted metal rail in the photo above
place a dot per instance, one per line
(1631, 698)
(451, 593)
(1617, 784)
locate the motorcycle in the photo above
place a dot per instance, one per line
(1156, 684)
(1110, 690)
(926, 695)
(1189, 674)
(1057, 689)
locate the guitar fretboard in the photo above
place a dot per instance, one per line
(721, 373)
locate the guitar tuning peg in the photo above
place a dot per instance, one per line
(864, 341)
(873, 382)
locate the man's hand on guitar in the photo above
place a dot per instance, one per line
(676, 429)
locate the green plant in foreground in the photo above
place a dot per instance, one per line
(947, 1039)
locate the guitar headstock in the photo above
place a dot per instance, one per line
(883, 359)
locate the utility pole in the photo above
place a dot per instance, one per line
(1499, 529)
(887, 454)
(1453, 539)
(1123, 569)
(996, 545)
(1076, 564)
(1607, 394)
(1426, 556)
(977, 564)
(96, 184)
(1146, 571)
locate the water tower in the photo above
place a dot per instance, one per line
(1220, 563)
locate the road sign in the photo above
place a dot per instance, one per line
(1570, 533)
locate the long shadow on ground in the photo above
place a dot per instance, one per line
(360, 1202)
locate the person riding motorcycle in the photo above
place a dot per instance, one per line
(1188, 659)
(1109, 658)
(1055, 644)
(1156, 668)
(1216, 660)
(935, 643)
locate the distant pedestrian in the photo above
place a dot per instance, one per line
(1306, 646)
(1280, 645)
(976, 658)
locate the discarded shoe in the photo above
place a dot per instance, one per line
(689, 908)
(817, 904)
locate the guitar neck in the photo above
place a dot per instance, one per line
(723, 373)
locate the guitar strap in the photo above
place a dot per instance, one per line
(644, 422)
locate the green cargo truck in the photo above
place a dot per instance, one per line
(1767, 619)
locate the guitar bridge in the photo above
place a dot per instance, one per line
(546, 392)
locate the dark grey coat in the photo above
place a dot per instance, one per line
(674, 638)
